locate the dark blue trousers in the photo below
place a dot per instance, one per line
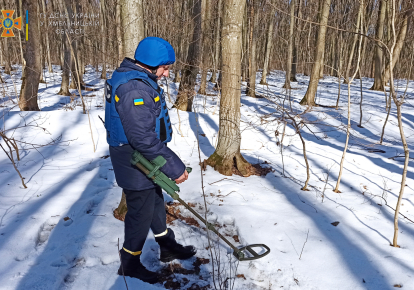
(145, 210)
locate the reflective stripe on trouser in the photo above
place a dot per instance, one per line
(145, 210)
(162, 234)
(132, 253)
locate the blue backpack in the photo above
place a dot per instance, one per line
(115, 132)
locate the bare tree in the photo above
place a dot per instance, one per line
(348, 128)
(217, 41)
(398, 103)
(269, 43)
(254, 22)
(186, 91)
(30, 84)
(205, 12)
(227, 156)
(104, 40)
(290, 46)
(133, 30)
(397, 50)
(378, 81)
(309, 98)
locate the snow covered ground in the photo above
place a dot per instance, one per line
(60, 233)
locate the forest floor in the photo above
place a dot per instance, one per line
(60, 233)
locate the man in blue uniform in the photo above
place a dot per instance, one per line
(136, 118)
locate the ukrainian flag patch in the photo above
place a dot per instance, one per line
(157, 99)
(138, 102)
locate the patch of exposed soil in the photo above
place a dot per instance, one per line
(198, 262)
(253, 169)
(170, 280)
(173, 213)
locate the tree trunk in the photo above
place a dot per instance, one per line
(72, 46)
(246, 45)
(133, 31)
(133, 25)
(103, 29)
(30, 84)
(121, 210)
(20, 33)
(41, 80)
(7, 56)
(378, 81)
(295, 44)
(1, 55)
(49, 62)
(397, 50)
(309, 98)
(64, 87)
(184, 101)
(290, 47)
(217, 42)
(251, 84)
(269, 43)
(81, 62)
(119, 33)
(348, 129)
(351, 54)
(227, 158)
(205, 48)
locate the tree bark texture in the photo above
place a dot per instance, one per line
(251, 84)
(119, 31)
(227, 158)
(397, 50)
(133, 31)
(269, 43)
(351, 54)
(49, 61)
(217, 42)
(103, 29)
(378, 81)
(184, 101)
(30, 84)
(64, 87)
(290, 47)
(132, 16)
(309, 98)
(205, 42)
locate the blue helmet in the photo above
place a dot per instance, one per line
(154, 51)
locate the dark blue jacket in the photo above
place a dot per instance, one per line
(139, 122)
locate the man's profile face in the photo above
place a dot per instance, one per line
(163, 71)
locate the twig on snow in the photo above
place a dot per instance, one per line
(304, 244)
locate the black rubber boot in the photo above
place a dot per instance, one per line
(171, 250)
(132, 267)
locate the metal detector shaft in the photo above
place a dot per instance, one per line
(152, 170)
(208, 225)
